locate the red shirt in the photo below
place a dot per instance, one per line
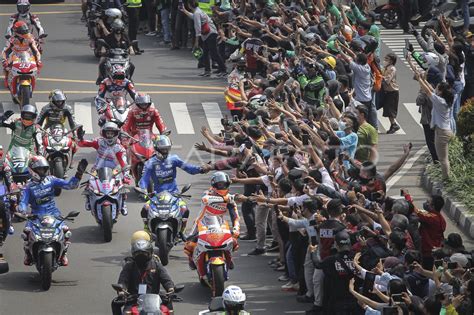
(432, 228)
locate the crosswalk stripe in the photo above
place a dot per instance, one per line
(214, 116)
(40, 105)
(83, 113)
(412, 108)
(182, 119)
(384, 122)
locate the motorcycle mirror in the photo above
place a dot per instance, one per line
(72, 214)
(178, 288)
(7, 36)
(118, 287)
(185, 188)
(43, 35)
(167, 132)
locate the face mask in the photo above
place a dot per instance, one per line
(342, 125)
(27, 123)
(141, 260)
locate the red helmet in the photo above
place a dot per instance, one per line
(21, 28)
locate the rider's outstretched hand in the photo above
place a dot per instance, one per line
(82, 166)
(80, 133)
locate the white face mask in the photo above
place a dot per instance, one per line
(386, 64)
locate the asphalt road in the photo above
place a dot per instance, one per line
(84, 286)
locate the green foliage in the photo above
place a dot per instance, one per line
(461, 181)
(465, 119)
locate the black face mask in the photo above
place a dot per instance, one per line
(142, 260)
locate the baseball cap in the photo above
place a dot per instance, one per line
(468, 34)
(343, 239)
(459, 258)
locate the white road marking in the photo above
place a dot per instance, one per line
(214, 115)
(412, 108)
(83, 114)
(384, 122)
(182, 119)
(40, 105)
(404, 169)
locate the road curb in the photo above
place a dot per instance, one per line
(455, 210)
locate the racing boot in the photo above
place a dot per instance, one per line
(189, 250)
(124, 209)
(28, 260)
(183, 229)
(88, 204)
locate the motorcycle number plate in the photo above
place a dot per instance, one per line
(142, 289)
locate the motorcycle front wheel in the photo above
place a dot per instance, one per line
(162, 244)
(107, 222)
(389, 18)
(24, 95)
(46, 270)
(58, 171)
(218, 280)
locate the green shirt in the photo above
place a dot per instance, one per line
(368, 137)
(23, 136)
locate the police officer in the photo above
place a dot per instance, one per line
(143, 272)
(133, 11)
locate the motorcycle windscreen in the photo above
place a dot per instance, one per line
(105, 173)
(212, 222)
(144, 138)
(149, 304)
(19, 157)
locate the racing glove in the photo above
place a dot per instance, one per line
(81, 168)
(6, 115)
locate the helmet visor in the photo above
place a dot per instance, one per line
(221, 185)
(22, 30)
(110, 134)
(28, 116)
(23, 8)
(119, 76)
(42, 171)
(59, 104)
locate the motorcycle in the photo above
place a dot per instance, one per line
(46, 242)
(140, 149)
(58, 144)
(164, 219)
(114, 109)
(116, 56)
(146, 304)
(447, 10)
(105, 190)
(22, 77)
(5, 222)
(212, 253)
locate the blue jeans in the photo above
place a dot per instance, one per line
(465, 13)
(165, 24)
(458, 87)
(290, 264)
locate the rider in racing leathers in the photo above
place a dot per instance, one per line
(116, 85)
(56, 112)
(21, 42)
(23, 14)
(216, 202)
(143, 115)
(24, 131)
(109, 150)
(161, 169)
(39, 195)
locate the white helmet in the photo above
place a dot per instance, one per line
(112, 15)
(110, 132)
(430, 60)
(38, 167)
(233, 298)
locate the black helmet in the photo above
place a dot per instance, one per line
(142, 252)
(23, 6)
(143, 101)
(117, 26)
(57, 99)
(162, 145)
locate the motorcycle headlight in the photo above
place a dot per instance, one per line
(65, 149)
(67, 234)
